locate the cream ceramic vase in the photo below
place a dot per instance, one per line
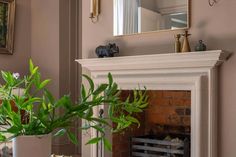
(32, 146)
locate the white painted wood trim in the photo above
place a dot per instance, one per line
(159, 61)
(195, 71)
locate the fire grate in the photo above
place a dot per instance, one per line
(151, 147)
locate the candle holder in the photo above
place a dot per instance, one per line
(94, 10)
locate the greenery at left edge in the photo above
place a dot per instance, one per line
(34, 111)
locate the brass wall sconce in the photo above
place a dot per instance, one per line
(94, 10)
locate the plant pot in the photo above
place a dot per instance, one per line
(32, 146)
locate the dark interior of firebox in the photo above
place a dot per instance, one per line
(165, 129)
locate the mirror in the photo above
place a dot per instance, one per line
(7, 17)
(141, 16)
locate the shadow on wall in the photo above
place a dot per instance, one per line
(137, 44)
(166, 43)
(130, 50)
(151, 48)
(201, 27)
(227, 90)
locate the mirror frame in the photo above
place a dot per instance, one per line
(10, 27)
(159, 31)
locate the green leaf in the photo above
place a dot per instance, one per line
(89, 113)
(35, 71)
(90, 82)
(72, 137)
(49, 96)
(29, 103)
(110, 78)
(16, 119)
(5, 76)
(83, 92)
(44, 83)
(60, 133)
(113, 89)
(110, 110)
(100, 120)
(116, 120)
(2, 138)
(144, 105)
(36, 79)
(7, 107)
(29, 107)
(100, 89)
(133, 120)
(8, 78)
(31, 66)
(99, 128)
(107, 144)
(67, 102)
(94, 140)
(132, 108)
(44, 106)
(13, 130)
(135, 94)
(81, 108)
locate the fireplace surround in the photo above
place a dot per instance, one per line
(195, 72)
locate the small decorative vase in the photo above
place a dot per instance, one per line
(32, 146)
(200, 46)
(177, 43)
(186, 46)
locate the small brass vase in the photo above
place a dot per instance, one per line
(186, 46)
(177, 43)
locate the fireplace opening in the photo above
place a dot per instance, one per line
(165, 127)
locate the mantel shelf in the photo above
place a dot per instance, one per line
(157, 61)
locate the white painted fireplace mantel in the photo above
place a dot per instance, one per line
(195, 71)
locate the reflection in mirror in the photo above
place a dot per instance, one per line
(7, 15)
(139, 16)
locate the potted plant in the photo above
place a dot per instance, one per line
(32, 131)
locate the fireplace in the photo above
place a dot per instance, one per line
(194, 74)
(165, 127)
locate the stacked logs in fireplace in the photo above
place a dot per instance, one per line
(149, 146)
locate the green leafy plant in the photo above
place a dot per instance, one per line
(35, 111)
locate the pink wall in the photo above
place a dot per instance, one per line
(52, 49)
(45, 39)
(38, 34)
(45, 44)
(216, 26)
(18, 62)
